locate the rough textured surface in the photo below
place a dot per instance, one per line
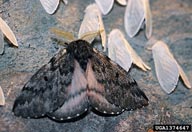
(30, 23)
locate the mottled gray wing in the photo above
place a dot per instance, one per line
(46, 90)
(118, 87)
(77, 101)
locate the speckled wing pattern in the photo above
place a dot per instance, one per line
(78, 78)
(119, 88)
(46, 90)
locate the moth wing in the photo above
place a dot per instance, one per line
(92, 23)
(117, 50)
(184, 77)
(65, 2)
(76, 102)
(122, 2)
(1, 42)
(8, 32)
(96, 93)
(134, 17)
(148, 19)
(2, 98)
(46, 91)
(136, 58)
(105, 5)
(50, 6)
(165, 66)
(122, 52)
(117, 87)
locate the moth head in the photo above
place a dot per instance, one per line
(80, 49)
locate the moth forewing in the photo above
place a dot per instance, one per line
(148, 19)
(184, 77)
(105, 5)
(65, 1)
(1, 42)
(77, 101)
(137, 60)
(8, 32)
(117, 50)
(50, 6)
(134, 17)
(92, 23)
(118, 44)
(167, 68)
(122, 2)
(2, 98)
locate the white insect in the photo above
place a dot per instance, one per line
(120, 51)
(138, 12)
(8, 32)
(2, 98)
(167, 68)
(106, 5)
(92, 23)
(50, 6)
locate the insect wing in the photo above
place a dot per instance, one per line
(122, 53)
(117, 50)
(2, 98)
(105, 5)
(148, 19)
(92, 23)
(1, 42)
(8, 32)
(46, 91)
(119, 89)
(50, 6)
(165, 66)
(134, 17)
(76, 101)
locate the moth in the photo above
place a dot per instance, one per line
(120, 51)
(138, 13)
(167, 68)
(93, 22)
(106, 5)
(51, 6)
(77, 79)
(5, 30)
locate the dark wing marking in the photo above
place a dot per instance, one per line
(118, 87)
(96, 93)
(46, 90)
(77, 101)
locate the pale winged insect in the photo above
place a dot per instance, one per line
(5, 29)
(106, 5)
(76, 80)
(92, 22)
(138, 13)
(167, 68)
(51, 6)
(120, 51)
(2, 98)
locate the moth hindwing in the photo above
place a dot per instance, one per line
(74, 80)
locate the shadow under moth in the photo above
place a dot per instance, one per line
(76, 80)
